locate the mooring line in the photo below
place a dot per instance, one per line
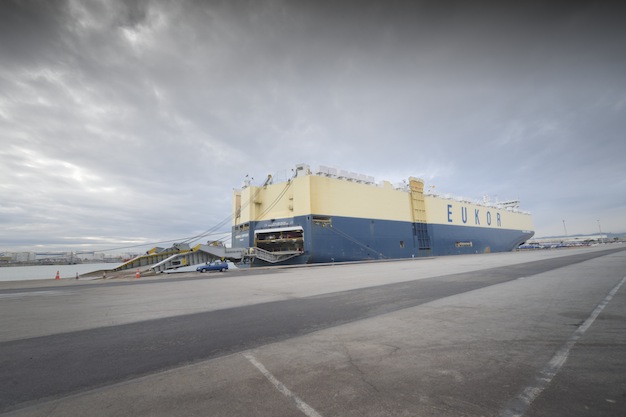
(522, 402)
(302, 406)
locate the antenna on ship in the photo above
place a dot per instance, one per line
(247, 181)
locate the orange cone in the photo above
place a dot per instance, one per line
(137, 274)
(57, 277)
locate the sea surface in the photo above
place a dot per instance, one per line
(21, 273)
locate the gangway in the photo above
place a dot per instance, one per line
(272, 257)
(200, 254)
(179, 255)
(152, 257)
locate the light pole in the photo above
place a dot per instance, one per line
(564, 228)
(599, 230)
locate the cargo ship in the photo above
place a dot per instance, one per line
(332, 215)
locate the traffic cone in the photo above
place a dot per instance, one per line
(137, 274)
(57, 277)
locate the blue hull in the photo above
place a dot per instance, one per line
(352, 239)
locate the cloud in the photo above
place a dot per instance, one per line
(133, 121)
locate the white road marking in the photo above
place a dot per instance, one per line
(302, 406)
(520, 405)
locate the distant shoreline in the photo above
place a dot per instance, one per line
(14, 264)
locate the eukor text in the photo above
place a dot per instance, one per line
(482, 216)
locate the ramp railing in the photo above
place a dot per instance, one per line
(275, 257)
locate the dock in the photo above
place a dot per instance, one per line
(448, 336)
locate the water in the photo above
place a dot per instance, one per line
(21, 273)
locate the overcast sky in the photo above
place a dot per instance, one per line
(126, 123)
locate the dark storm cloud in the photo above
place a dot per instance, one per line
(123, 121)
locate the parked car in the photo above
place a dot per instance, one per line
(213, 266)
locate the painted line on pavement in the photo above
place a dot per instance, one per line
(520, 405)
(302, 406)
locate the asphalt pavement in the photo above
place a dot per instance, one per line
(537, 333)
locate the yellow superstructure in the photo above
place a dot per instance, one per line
(321, 195)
